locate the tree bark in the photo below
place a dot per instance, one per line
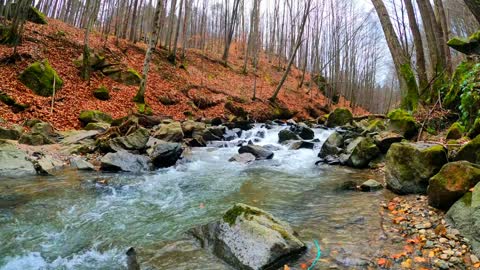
(474, 6)
(403, 67)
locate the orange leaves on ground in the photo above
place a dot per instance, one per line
(398, 255)
(397, 220)
(407, 264)
(408, 249)
(419, 260)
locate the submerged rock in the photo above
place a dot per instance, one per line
(371, 185)
(243, 158)
(125, 161)
(409, 166)
(259, 152)
(13, 162)
(250, 238)
(339, 117)
(166, 154)
(451, 183)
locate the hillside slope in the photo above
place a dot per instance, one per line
(203, 76)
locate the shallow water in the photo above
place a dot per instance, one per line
(76, 222)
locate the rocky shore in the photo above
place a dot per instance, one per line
(437, 219)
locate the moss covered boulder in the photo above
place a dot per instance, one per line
(34, 15)
(464, 215)
(339, 117)
(403, 123)
(451, 183)
(97, 126)
(470, 151)
(93, 116)
(127, 76)
(135, 141)
(9, 134)
(40, 78)
(247, 237)
(455, 132)
(468, 46)
(359, 153)
(102, 93)
(409, 166)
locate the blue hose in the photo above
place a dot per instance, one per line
(319, 254)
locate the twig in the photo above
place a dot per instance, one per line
(53, 95)
(426, 119)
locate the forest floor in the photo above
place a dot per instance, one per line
(61, 44)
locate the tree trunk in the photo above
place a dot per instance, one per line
(294, 52)
(418, 42)
(140, 96)
(408, 84)
(474, 6)
(230, 31)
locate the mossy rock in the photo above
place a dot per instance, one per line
(409, 166)
(455, 132)
(95, 61)
(339, 117)
(143, 108)
(359, 153)
(34, 15)
(475, 129)
(93, 116)
(238, 111)
(127, 77)
(468, 46)
(451, 183)
(167, 101)
(40, 77)
(102, 93)
(34, 139)
(470, 151)
(12, 103)
(280, 112)
(97, 126)
(403, 123)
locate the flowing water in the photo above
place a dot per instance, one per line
(88, 221)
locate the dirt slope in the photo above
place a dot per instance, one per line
(61, 44)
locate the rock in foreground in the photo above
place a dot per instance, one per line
(250, 238)
(259, 152)
(125, 161)
(451, 183)
(13, 162)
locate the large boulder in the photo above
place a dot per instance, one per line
(259, 152)
(47, 164)
(14, 162)
(464, 215)
(468, 46)
(192, 129)
(251, 239)
(451, 183)
(81, 164)
(332, 146)
(124, 161)
(409, 166)
(46, 130)
(339, 117)
(166, 154)
(402, 123)
(170, 132)
(359, 153)
(34, 139)
(470, 151)
(287, 135)
(303, 131)
(93, 116)
(102, 93)
(127, 76)
(137, 140)
(40, 78)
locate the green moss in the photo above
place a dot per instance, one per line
(40, 77)
(143, 108)
(461, 74)
(410, 100)
(455, 131)
(237, 210)
(376, 124)
(92, 116)
(7, 100)
(35, 16)
(457, 41)
(102, 93)
(339, 117)
(470, 45)
(403, 122)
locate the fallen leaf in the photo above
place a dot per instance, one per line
(407, 263)
(419, 260)
(408, 249)
(398, 255)
(382, 262)
(397, 220)
(303, 266)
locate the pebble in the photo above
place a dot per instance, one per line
(443, 240)
(441, 264)
(444, 256)
(474, 259)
